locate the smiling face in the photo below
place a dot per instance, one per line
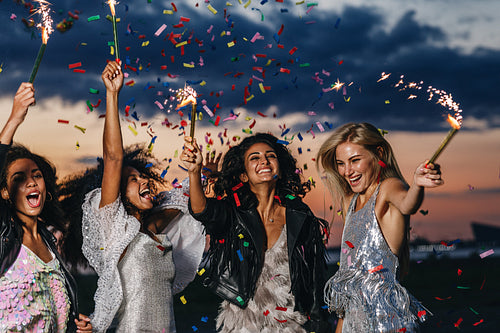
(357, 166)
(261, 164)
(25, 188)
(137, 190)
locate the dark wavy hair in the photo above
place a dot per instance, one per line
(52, 214)
(73, 189)
(289, 182)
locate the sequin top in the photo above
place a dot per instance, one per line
(138, 288)
(271, 310)
(365, 290)
(33, 295)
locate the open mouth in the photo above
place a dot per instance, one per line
(146, 194)
(354, 180)
(33, 199)
(264, 171)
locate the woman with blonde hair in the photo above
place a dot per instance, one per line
(364, 178)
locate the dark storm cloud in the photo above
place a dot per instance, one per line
(361, 41)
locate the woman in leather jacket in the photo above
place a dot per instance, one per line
(267, 252)
(37, 292)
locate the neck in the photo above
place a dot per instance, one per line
(266, 206)
(30, 226)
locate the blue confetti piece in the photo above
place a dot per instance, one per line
(240, 255)
(337, 23)
(285, 132)
(300, 136)
(283, 142)
(154, 139)
(163, 173)
(191, 82)
(284, 10)
(204, 319)
(127, 60)
(135, 116)
(166, 84)
(263, 2)
(147, 86)
(276, 37)
(300, 150)
(194, 328)
(149, 165)
(130, 101)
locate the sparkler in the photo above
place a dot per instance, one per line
(455, 126)
(46, 27)
(188, 96)
(112, 4)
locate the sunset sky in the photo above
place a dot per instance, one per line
(449, 45)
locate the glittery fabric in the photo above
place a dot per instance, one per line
(33, 296)
(271, 309)
(365, 290)
(137, 289)
(147, 272)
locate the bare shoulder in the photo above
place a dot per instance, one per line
(391, 188)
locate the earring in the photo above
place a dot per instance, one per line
(49, 196)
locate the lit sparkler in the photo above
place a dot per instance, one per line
(338, 85)
(46, 26)
(112, 4)
(455, 126)
(185, 97)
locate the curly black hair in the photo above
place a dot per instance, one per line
(74, 188)
(289, 182)
(52, 214)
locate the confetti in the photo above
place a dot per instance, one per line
(486, 253)
(183, 299)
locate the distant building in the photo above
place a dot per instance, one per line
(485, 233)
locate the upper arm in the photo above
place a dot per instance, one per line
(111, 179)
(392, 192)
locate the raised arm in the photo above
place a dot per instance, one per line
(112, 143)
(25, 96)
(193, 160)
(409, 201)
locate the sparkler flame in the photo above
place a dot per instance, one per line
(338, 85)
(186, 96)
(112, 4)
(453, 122)
(46, 21)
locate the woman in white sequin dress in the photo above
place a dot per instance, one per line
(131, 240)
(37, 292)
(362, 173)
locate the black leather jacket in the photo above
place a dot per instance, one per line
(235, 280)
(10, 245)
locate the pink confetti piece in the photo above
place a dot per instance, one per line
(311, 113)
(160, 30)
(486, 253)
(256, 36)
(159, 105)
(209, 30)
(325, 72)
(208, 111)
(331, 105)
(13, 17)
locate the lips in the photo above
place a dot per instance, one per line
(264, 171)
(146, 194)
(34, 199)
(354, 180)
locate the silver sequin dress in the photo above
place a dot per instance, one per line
(365, 290)
(138, 289)
(271, 310)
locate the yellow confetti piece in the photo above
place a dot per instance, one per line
(228, 4)
(300, 2)
(223, 33)
(81, 129)
(183, 299)
(77, 145)
(203, 83)
(84, 44)
(181, 44)
(188, 65)
(248, 3)
(269, 61)
(146, 43)
(132, 129)
(247, 118)
(176, 153)
(212, 9)
(111, 50)
(200, 116)
(101, 248)
(230, 44)
(261, 86)
(168, 12)
(387, 101)
(347, 99)
(201, 271)
(249, 98)
(245, 39)
(240, 2)
(140, 67)
(241, 236)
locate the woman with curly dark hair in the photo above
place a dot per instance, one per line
(131, 234)
(267, 253)
(37, 292)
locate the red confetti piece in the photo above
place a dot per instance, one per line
(459, 321)
(252, 124)
(184, 19)
(63, 121)
(237, 200)
(261, 114)
(76, 64)
(402, 329)
(130, 83)
(292, 51)
(173, 6)
(266, 313)
(284, 70)
(349, 244)
(281, 321)
(260, 55)
(281, 30)
(280, 308)
(180, 25)
(375, 269)
(443, 299)
(477, 323)
(184, 123)
(341, 62)
(421, 313)
(459, 272)
(280, 46)
(217, 120)
(79, 70)
(221, 241)
(237, 187)
(160, 247)
(163, 67)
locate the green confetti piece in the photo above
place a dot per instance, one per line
(112, 43)
(239, 299)
(94, 18)
(460, 287)
(291, 197)
(305, 64)
(245, 244)
(475, 312)
(93, 91)
(312, 4)
(91, 108)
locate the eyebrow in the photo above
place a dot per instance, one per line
(258, 152)
(350, 158)
(22, 172)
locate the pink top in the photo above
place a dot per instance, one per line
(33, 295)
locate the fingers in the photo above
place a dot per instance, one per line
(83, 323)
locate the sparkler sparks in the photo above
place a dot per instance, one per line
(337, 85)
(46, 26)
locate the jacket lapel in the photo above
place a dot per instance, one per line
(294, 221)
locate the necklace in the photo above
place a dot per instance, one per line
(272, 211)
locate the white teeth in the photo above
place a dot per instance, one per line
(144, 192)
(264, 170)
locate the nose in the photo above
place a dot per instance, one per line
(348, 168)
(31, 182)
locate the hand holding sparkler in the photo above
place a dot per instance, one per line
(46, 27)
(188, 96)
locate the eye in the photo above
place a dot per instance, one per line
(355, 160)
(18, 178)
(254, 158)
(38, 175)
(271, 155)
